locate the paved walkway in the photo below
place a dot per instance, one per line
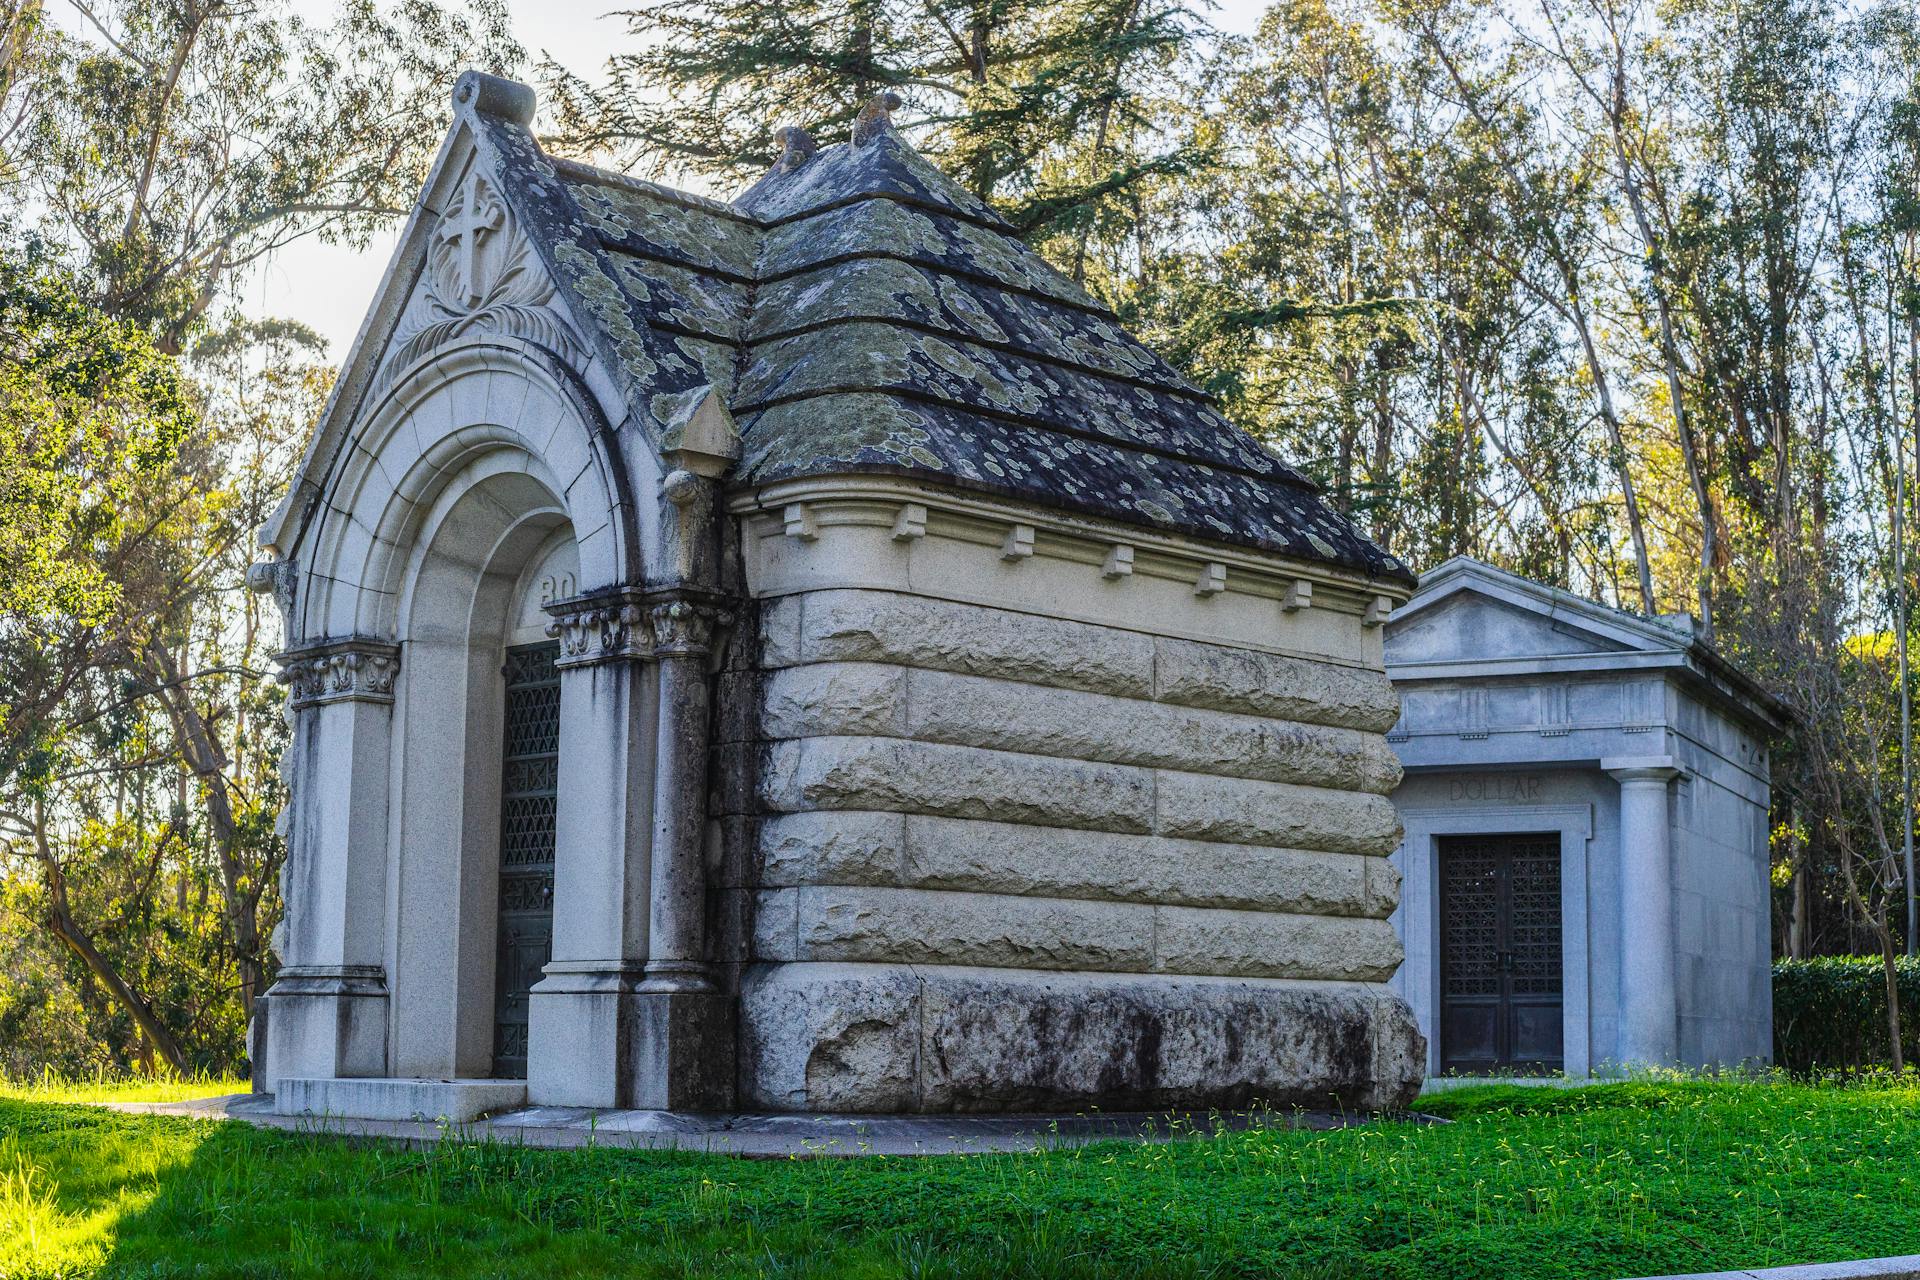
(758, 1135)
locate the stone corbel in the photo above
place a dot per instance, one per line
(603, 628)
(278, 578)
(355, 669)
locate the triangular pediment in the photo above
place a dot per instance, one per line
(1467, 611)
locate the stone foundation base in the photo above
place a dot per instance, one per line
(453, 1101)
(884, 1038)
(596, 1041)
(326, 1022)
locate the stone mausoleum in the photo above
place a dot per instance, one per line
(1585, 864)
(801, 654)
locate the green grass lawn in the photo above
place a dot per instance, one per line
(1619, 1180)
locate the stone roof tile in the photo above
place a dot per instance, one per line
(861, 311)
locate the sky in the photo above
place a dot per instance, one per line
(330, 287)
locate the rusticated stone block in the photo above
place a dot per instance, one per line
(1070, 723)
(1271, 684)
(889, 1038)
(832, 848)
(830, 1037)
(961, 782)
(1275, 813)
(868, 626)
(1266, 944)
(927, 926)
(1002, 857)
(835, 698)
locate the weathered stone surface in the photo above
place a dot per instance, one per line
(869, 626)
(887, 1038)
(832, 848)
(1383, 887)
(1016, 858)
(1008, 716)
(1263, 944)
(924, 926)
(960, 782)
(836, 698)
(830, 1037)
(1005, 857)
(1275, 813)
(1270, 684)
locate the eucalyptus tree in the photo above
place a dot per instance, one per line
(177, 144)
(166, 149)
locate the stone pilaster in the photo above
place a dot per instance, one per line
(582, 1012)
(1649, 1015)
(608, 1028)
(686, 1040)
(330, 1001)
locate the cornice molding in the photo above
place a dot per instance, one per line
(803, 506)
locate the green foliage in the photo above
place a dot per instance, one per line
(1042, 108)
(90, 413)
(1830, 1014)
(192, 139)
(92, 420)
(1525, 1184)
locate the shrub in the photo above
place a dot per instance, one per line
(1830, 1014)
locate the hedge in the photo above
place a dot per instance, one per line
(1830, 1014)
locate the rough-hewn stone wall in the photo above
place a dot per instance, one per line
(1004, 861)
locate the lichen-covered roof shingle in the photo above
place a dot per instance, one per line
(861, 312)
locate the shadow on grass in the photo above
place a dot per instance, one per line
(1637, 1180)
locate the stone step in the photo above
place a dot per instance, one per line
(452, 1101)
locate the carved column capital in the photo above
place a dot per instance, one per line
(594, 629)
(354, 669)
(684, 628)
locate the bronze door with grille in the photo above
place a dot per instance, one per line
(1500, 997)
(528, 782)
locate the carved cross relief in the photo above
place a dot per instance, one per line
(482, 275)
(477, 214)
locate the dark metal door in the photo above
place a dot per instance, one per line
(1500, 997)
(527, 787)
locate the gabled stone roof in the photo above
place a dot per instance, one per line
(858, 311)
(1569, 634)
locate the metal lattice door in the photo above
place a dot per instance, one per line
(528, 782)
(1500, 980)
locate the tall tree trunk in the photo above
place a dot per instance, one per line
(200, 750)
(64, 926)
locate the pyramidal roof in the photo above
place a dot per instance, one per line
(860, 312)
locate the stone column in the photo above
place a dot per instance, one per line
(1649, 1011)
(329, 1001)
(686, 1025)
(582, 1013)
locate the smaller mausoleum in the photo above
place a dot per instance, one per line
(1585, 860)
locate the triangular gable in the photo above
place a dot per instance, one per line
(1469, 611)
(553, 283)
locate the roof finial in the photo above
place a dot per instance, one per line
(874, 119)
(796, 147)
(494, 96)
